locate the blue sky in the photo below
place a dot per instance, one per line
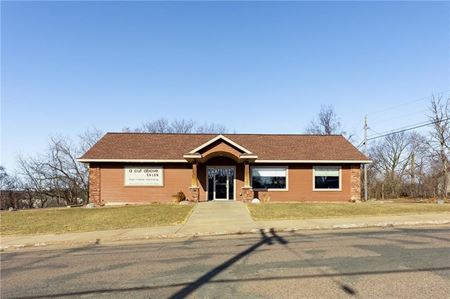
(256, 67)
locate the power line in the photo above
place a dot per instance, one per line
(401, 129)
(388, 117)
(411, 128)
(398, 129)
(408, 102)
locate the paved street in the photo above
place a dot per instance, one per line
(370, 263)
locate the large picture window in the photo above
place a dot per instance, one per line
(269, 178)
(327, 178)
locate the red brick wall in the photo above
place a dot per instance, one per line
(94, 184)
(177, 177)
(300, 186)
(355, 192)
(107, 184)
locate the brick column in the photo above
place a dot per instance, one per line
(195, 194)
(194, 189)
(355, 182)
(194, 178)
(94, 185)
(247, 191)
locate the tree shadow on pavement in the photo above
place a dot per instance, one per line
(265, 240)
(27, 265)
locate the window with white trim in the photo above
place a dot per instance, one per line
(327, 177)
(269, 178)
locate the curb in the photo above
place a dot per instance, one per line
(230, 233)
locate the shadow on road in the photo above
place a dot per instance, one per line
(270, 238)
(265, 240)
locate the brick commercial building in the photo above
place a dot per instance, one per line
(146, 167)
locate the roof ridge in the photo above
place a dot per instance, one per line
(236, 134)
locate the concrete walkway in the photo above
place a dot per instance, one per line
(216, 218)
(219, 217)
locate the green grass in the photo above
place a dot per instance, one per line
(286, 211)
(65, 220)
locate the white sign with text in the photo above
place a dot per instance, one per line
(143, 176)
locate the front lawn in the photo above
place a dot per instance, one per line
(64, 220)
(286, 211)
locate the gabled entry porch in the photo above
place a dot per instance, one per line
(220, 171)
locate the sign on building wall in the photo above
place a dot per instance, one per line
(144, 176)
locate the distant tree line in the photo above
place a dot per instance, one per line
(405, 164)
(181, 126)
(56, 178)
(53, 178)
(411, 164)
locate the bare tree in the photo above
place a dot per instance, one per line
(88, 138)
(211, 128)
(161, 125)
(440, 138)
(418, 170)
(5, 180)
(8, 188)
(56, 177)
(390, 161)
(326, 123)
(36, 182)
(181, 126)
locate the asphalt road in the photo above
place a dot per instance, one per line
(375, 263)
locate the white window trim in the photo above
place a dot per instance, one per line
(326, 190)
(270, 189)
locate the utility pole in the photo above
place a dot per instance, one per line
(366, 127)
(444, 173)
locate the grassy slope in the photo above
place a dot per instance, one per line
(82, 219)
(280, 211)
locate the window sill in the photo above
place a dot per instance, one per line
(327, 190)
(271, 190)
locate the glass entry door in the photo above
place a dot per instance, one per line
(221, 182)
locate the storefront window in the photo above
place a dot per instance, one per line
(269, 178)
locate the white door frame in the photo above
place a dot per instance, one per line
(228, 184)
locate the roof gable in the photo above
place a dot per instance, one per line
(218, 138)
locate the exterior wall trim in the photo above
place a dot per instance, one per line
(256, 161)
(317, 161)
(134, 160)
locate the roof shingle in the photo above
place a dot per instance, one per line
(149, 146)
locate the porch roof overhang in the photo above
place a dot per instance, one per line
(217, 138)
(200, 157)
(220, 146)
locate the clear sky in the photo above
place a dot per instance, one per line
(256, 67)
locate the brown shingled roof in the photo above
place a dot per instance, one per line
(149, 146)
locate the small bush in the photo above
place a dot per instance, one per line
(266, 198)
(180, 196)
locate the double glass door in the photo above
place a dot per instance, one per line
(221, 182)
